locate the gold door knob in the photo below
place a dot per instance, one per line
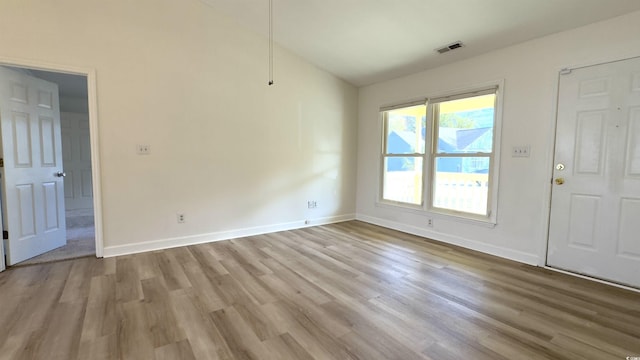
(559, 181)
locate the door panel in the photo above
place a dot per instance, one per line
(33, 198)
(22, 139)
(632, 160)
(583, 208)
(47, 141)
(629, 229)
(595, 210)
(594, 87)
(45, 99)
(590, 140)
(18, 93)
(51, 213)
(27, 213)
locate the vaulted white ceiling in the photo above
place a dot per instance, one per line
(366, 41)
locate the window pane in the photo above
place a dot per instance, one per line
(406, 128)
(403, 179)
(462, 184)
(466, 125)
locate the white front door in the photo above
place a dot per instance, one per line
(595, 208)
(33, 189)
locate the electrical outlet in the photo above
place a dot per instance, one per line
(144, 149)
(430, 222)
(312, 204)
(521, 151)
(180, 218)
(307, 222)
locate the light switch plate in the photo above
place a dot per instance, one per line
(521, 151)
(144, 149)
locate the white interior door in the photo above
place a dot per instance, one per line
(595, 208)
(33, 189)
(76, 155)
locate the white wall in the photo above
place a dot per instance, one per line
(530, 71)
(234, 155)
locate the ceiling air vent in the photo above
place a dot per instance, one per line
(452, 46)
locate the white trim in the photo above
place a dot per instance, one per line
(601, 281)
(436, 215)
(96, 178)
(401, 104)
(422, 101)
(94, 128)
(464, 95)
(601, 61)
(550, 156)
(519, 256)
(168, 243)
(3, 266)
(497, 150)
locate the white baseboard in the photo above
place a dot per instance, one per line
(168, 243)
(530, 259)
(161, 244)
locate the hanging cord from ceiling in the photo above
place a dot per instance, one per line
(270, 42)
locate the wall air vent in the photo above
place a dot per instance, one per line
(452, 46)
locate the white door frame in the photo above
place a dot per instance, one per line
(94, 137)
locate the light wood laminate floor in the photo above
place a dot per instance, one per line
(342, 291)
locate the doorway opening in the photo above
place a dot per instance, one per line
(77, 146)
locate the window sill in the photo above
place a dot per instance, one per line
(488, 223)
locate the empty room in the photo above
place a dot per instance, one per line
(285, 179)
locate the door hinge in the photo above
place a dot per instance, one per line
(565, 71)
(5, 235)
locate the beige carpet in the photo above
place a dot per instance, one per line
(80, 239)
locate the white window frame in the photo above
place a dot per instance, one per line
(431, 139)
(384, 155)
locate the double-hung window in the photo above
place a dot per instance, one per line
(403, 155)
(462, 153)
(440, 157)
